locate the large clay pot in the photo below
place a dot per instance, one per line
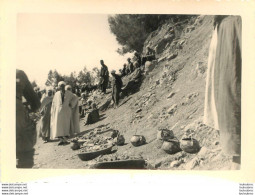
(171, 146)
(120, 140)
(137, 140)
(190, 145)
(165, 134)
(114, 134)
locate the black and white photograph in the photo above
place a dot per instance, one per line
(128, 91)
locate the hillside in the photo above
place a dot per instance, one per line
(171, 96)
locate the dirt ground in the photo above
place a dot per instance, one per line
(177, 84)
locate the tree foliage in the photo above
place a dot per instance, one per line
(83, 77)
(131, 30)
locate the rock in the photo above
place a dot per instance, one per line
(181, 42)
(157, 82)
(149, 66)
(172, 56)
(192, 164)
(200, 68)
(171, 95)
(138, 116)
(203, 152)
(190, 29)
(172, 110)
(216, 143)
(167, 67)
(163, 42)
(158, 164)
(162, 59)
(139, 110)
(175, 163)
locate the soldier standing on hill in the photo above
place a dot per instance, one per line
(104, 77)
(130, 66)
(116, 88)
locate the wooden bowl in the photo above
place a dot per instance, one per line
(120, 164)
(91, 155)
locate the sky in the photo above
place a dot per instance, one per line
(65, 42)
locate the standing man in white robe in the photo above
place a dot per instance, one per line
(75, 119)
(61, 114)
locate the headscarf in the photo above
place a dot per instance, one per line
(61, 83)
(67, 87)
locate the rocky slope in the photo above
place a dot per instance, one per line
(171, 96)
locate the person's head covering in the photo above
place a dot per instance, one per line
(129, 59)
(68, 87)
(113, 71)
(101, 61)
(61, 83)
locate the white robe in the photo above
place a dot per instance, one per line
(61, 114)
(75, 119)
(210, 112)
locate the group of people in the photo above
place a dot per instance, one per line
(59, 117)
(60, 110)
(60, 114)
(139, 61)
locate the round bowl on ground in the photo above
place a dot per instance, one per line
(190, 145)
(137, 140)
(171, 146)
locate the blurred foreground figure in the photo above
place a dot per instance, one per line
(223, 86)
(25, 127)
(44, 123)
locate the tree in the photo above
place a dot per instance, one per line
(131, 30)
(95, 76)
(53, 78)
(84, 76)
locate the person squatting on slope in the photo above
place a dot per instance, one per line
(61, 113)
(149, 56)
(116, 88)
(25, 127)
(104, 77)
(130, 66)
(124, 70)
(223, 86)
(137, 60)
(44, 123)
